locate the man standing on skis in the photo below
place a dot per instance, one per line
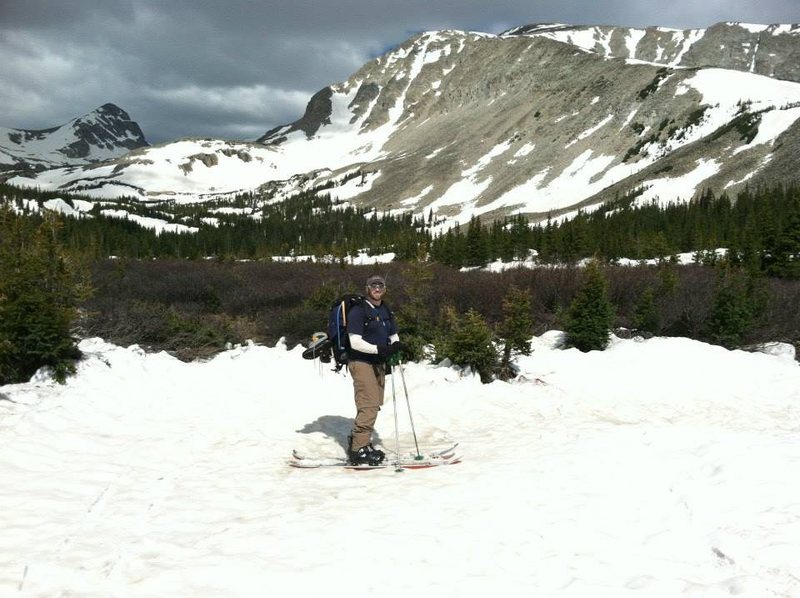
(372, 332)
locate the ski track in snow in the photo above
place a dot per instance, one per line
(661, 468)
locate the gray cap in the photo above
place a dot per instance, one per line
(379, 279)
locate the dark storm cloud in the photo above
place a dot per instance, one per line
(236, 68)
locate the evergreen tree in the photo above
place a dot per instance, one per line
(516, 328)
(413, 318)
(466, 340)
(738, 300)
(40, 289)
(785, 255)
(446, 325)
(590, 315)
(477, 244)
(646, 316)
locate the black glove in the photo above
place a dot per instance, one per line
(389, 350)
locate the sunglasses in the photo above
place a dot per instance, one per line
(377, 285)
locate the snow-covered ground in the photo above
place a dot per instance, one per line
(664, 467)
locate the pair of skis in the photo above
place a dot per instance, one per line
(446, 456)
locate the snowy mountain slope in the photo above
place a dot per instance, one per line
(656, 468)
(770, 50)
(104, 134)
(462, 124)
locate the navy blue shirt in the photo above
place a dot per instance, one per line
(374, 324)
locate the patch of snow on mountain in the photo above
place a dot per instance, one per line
(764, 161)
(744, 179)
(632, 40)
(727, 87)
(434, 153)
(467, 190)
(62, 207)
(586, 39)
(577, 181)
(159, 226)
(752, 27)
(590, 130)
(773, 123)
(693, 36)
(525, 150)
(786, 29)
(629, 118)
(353, 187)
(396, 111)
(681, 188)
(463, 193)
(497, 150)
(231, 211)
(412, 201)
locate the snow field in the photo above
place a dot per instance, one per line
(654, 468)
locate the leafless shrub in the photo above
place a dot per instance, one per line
(194, 308)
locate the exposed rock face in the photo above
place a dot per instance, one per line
(318, 113)
(770, 50)
(103, 134)
(541, 121)
(524, 123)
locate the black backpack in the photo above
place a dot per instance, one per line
(335, 344)
(337, 327)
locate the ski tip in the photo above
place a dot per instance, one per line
(299, 464)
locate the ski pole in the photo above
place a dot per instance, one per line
(410, 417)
(396, 428)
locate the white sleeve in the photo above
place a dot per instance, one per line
(395, 338)
(358, 343)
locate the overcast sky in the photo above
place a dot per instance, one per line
(236, 68)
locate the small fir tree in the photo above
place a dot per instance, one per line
(646, 317)
(446, 325)
(590, 315)
(413, 318)
(469, 342)
(516, 328)
(784, 260)
(738, 300)
(477, 244)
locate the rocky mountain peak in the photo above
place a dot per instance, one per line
(103, 134)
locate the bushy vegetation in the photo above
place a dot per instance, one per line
(194, 308)
(41, 288)
(143, 302)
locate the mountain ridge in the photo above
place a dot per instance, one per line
(457, 124)
(102, 134)
(770, 50)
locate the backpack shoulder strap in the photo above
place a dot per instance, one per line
(349, 301)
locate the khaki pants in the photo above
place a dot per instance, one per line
(368, 384)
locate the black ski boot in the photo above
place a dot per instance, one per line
(376, 455)
(366, 455)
